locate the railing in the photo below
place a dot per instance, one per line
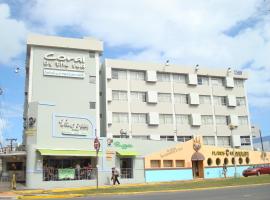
(54, 174)
(126, 173)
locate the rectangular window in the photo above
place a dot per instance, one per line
(92, 79)
(179, 78)
(245, 140)
(167, 163)
(243, 120)
(220, 100)
(205, 99)
(120, 136)
(179, 163)
(163, 77)
(165, 119)
(181, 98)
(92, 105)
(221, 120)
(138, 96)
(155, 163)
(224, 141)
(209, 140)
(203, 80)
(182, 119)
(240, 101)
(167, 138)
(138, 118)
(137, 75)
(118, 95)
(217, 81)
(207, 119)
(184, 138)
(239, 83)
(119, 74)
(164, 97)
(120, 117)
(141, 137)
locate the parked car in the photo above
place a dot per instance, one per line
(257, 170)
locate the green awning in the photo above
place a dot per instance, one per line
(53, 152)
(127, 153)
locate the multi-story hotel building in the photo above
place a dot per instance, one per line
(174, 103)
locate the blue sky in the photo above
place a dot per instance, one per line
(216, 34)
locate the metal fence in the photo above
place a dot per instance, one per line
(126, 173)
(54, 174)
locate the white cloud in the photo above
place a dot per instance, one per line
(186, 32)
(3, 125)
(12, 35)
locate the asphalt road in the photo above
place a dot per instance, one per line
(261, 192)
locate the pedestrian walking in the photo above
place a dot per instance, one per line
(115, 175)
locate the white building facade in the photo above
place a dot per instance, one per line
(174, 103)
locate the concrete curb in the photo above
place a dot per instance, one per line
(134, 193)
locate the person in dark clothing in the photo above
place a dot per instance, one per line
(115, 175)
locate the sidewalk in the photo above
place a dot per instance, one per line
(143, 188)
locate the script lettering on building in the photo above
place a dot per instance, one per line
(171, 151)
(227, 152)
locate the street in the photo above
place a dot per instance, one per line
(261, 192)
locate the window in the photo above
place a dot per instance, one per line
(167, 163)
(137, 75)
(245, 140)
(14, 166)
(165, 119)
(218, 161)
(138, 96)
(120, 117)
(182, 119)
(155, 163)
(92, 105)
(184, 138)
(119, 74)
(203, 80)
(221, 120)
(207, 119)
(167, 138)
(217, 81)
(92, 79)
(220, 100)
(163, 77)
(141, 137)
(181, 98)
(179, 78)
(240, 160)
(239, 83)
(226, 161)
(126, 168)
(179, 163)
(119, 95)
(121, 136)
(209, 161)
(240, 101)
(224, 141)
(205, 99)
(209, 140)
(138, 118)
(164, 97)
(243, 120)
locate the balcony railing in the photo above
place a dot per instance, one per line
(65, 174)
(126, 173)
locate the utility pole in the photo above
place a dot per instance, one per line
(11, 142)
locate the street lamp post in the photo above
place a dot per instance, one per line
(232, 142)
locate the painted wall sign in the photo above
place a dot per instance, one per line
(122, 146)
(227, 152)
(171, 151)
(63, 66)
(73, 126)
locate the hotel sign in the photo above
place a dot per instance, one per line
(73, 126)
(63, 66)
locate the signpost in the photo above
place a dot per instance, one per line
(97, 147)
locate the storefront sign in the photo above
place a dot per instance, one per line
(122, 146)
(73, 126)
(171, 151)
(66, 173)
(63, 66)
(227, 152)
